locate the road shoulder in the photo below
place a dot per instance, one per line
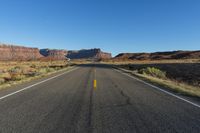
(189, 99)
(18, 87)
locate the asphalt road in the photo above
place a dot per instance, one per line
(69, 103)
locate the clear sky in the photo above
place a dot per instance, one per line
(112, 25)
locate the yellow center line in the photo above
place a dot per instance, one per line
(95, 84)
(95, 81)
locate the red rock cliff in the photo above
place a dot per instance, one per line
(55, 54)
(11, 52)
(88, 54)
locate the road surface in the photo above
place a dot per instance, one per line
(69, 103)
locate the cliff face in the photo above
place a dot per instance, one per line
(104, 55)
(88, 54)
(82, 54)
(10, 52)
(14, 53)
(54, 54)
(160, 55)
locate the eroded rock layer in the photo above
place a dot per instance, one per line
(160, 55)
(88, 54)
(11, 52)
(54, 54)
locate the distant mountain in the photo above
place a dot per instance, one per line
(88, 54)
(13, 52)
(160, 55)
(58, 54)
(21, 53)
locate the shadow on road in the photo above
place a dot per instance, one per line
(96, 65)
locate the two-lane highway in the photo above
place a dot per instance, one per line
(95, 98)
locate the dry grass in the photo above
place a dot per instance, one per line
(175, 86)
(182, 76)
(12, 72)
(120, 62)
(186, 71)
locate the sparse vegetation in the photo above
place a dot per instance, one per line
(184, 71)
(152, 71)
(165, 82)
(17, 72)
(182, 76)
(175, 86)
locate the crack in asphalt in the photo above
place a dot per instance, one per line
(127, 101)
(127, 98)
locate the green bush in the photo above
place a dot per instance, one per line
(152, 71)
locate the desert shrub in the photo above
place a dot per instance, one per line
(2, 80)
(6, 76)
(45, 70)
(16, 69)
(42, 70)
(57, 68)
(17, 77)
(152, 71)
(29, 72)
(33, 66)
(48, 69)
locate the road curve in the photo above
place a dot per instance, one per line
(69, 103)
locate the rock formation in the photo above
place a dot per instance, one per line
(54, 54)
(88, 54)
(160, 55)
(11, 52)
(14, 53)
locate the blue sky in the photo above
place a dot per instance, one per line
(112, 25)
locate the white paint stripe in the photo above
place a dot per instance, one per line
(28, 87)
(169, 93)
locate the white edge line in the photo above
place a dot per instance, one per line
(28, 87)
(169, 93)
